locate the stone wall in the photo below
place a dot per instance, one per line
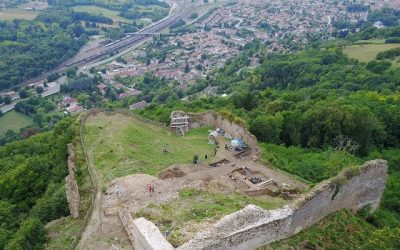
(216, 120)
(143, 234)
(253, 226)
(71, 186)
(127, 222)
(148, 237)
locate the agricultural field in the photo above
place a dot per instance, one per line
(121, 145)
(27, 11)
(101, 11)
(367, 52)
(17, 14)
(14, 121)
(151, 10)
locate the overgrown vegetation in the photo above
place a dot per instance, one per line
(32, 190)
(312, 165)
(342, 230)
(195, 206)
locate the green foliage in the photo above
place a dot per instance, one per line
(34, 46)
(378, 67)
(388, 54)
(33, 104)
(312, 165)
(32, 191)
(267, 128)
(31, 235)
(194, 15)
(341, 230)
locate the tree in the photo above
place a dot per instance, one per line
(7, 99)
(23, 93)
(31, 235)
(1, 113)
(194, 15)
(71, 72)
(39, 89)
(187, 69)
(38, 119)
(267, 128)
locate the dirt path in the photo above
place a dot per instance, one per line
(94, 225)
(102, 232)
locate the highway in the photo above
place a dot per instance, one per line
(177, 10)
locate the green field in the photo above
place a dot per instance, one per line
(14, 121)
(371, 41)
(17, 14)
(121, 145)
(101, 11)
(367, 52)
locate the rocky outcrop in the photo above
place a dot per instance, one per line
(253, 226)
(71, 186)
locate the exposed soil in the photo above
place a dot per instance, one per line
(105, 230)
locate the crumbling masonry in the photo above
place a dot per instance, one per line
(71, 186)
(253, 226)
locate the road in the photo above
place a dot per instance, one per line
(53, 88)
(98, 53)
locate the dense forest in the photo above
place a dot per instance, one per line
(39, 45)
(32, 193)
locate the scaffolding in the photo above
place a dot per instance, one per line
(179, 122)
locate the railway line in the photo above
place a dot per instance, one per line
(99, 53)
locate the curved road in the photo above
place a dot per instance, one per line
(177, 11)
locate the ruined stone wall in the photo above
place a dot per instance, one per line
(71, 186)
(143, 234)
(215, 120)
(148, 237)
(253, 226)
(127, 222)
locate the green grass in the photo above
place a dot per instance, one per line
(371, 41)
(311, 165)
(367, 52)
(11, 14)
(14, 121)
(62, 233)
(194, 206)
(341, 230)
(101, 11)
(123, 145)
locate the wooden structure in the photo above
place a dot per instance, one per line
(179, 122)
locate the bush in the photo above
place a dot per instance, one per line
(194, 15)
(7, 99)
(195, 159)
(31, 235)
